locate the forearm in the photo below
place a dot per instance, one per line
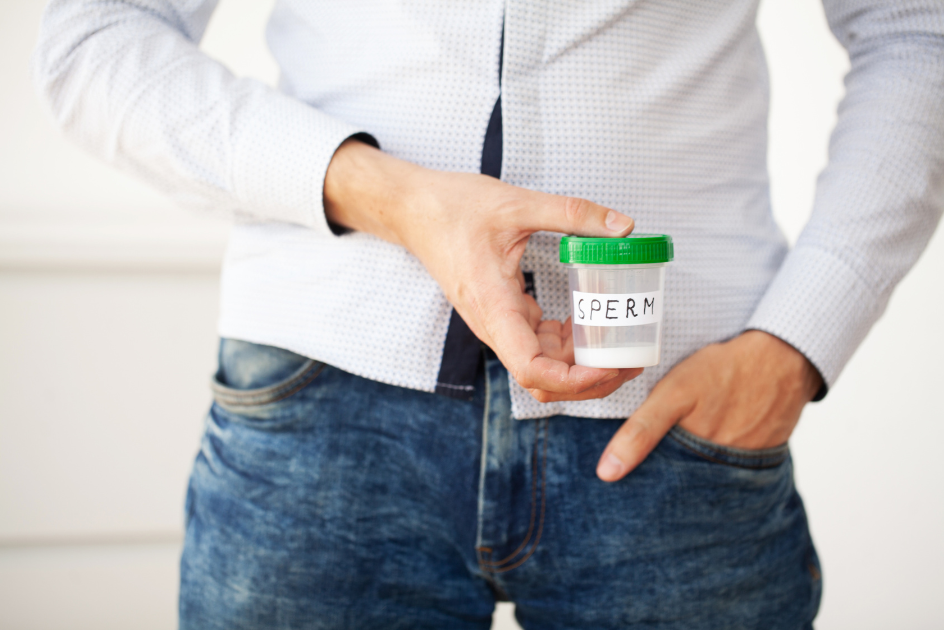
(781, 362)
(368, 191)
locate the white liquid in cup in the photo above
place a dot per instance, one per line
(632, 356)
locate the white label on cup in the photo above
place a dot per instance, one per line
(617, 309)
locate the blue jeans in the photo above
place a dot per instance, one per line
(320, 499)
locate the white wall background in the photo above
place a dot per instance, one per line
(107, 318)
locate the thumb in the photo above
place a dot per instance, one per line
(636, 438)
(571, 215)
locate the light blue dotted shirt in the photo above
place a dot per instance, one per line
(656, 109)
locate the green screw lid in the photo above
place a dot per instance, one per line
(635, 249)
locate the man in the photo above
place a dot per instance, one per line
(375, 245)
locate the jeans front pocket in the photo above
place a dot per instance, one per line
(254, 380)
(755, 459)
(736, 518)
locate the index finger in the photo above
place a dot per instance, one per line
(636, 438)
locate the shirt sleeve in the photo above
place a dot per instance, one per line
(126, 80)
(881, 195)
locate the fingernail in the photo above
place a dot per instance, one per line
(610, 467)
(616, 222)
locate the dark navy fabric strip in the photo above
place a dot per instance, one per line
(460, 362)
(492, 148)
(462, 351)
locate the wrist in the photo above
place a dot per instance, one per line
(791, 361)
(367, 190)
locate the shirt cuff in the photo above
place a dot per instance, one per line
(821, 307)
(282, 156)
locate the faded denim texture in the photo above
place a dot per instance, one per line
(320, 499)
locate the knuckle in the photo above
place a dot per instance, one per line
(509, 208)
(638, 432)
(523, 378)
(576, 210)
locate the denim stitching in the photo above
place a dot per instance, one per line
(465, 388)
(683, 435)
(543, 506)
(265, 396)
(534, 490)
(775, 458)
(543, 511)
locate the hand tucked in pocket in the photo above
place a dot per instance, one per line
(746, 393)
